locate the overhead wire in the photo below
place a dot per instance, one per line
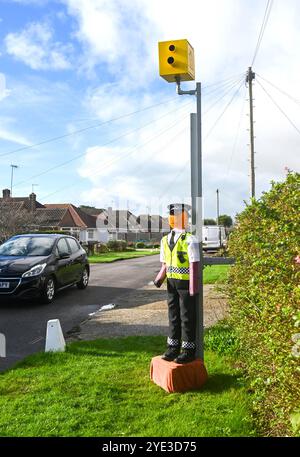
(279, 107)
(174, 179)
(262, 29)
(66, 135)
(280, 90)
(116, 139)
(237, 133)
(102, 145)
(122, 156)
(224, 110)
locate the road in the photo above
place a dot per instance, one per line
(24, 323)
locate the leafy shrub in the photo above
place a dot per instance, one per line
(115, 245)
(264, 296)
(140, 245)
(102, 248)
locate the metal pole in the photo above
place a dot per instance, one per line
(199, 315)
(249, 79)
(12, 177)
(218, 211)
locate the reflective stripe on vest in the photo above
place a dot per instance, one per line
(177, 261)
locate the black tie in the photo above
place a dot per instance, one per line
(172, 241)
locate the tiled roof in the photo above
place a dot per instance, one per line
(48, 217)
(24, 200)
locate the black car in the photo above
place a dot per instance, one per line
(39, 265)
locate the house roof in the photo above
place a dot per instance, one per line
(80, 218)
(24, 201)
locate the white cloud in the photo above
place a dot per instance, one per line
(4, 92)
(36, 47)
(13, 137)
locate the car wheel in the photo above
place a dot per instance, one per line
(83, 283)
(48, 292)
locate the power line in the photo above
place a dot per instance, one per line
(121, 157)
(279, 108)
(105, 144)
(263, 28)
(232, 86)
(237, 133)
(55, 167)
(66, 135)
(280, 90)
(174, 179)
(224, 110)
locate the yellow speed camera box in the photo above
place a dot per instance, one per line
(176, 60)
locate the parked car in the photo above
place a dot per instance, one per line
(214, 237)
(39, 265)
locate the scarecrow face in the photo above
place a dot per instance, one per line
(179, 220)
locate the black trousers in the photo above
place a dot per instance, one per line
(182, 313)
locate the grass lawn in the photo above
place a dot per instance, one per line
(102, 388)
(113, 256)
(215, 274)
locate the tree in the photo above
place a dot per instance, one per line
(225, 220)
(209, 222)
(13, 220)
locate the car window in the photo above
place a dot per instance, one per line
(62, 247)
(73, 245)
(27, 246)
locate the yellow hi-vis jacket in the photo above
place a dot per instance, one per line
(177, 261)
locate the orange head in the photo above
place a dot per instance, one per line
(179, 220)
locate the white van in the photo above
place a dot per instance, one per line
(213, 237)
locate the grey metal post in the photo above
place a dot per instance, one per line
(199, 315)
(196, 188)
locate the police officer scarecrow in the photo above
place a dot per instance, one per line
(179, 255)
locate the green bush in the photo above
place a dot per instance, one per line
(101, 248)
(264, 296)
(140, 245)
(118, 246)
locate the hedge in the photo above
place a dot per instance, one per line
(264, 297)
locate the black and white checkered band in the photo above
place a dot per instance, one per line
(172, 342)
(179, 270)
(188, 345)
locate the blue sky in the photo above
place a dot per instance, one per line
(69, 65)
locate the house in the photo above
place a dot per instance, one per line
(55, 217)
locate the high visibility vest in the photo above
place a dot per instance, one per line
(177, 261)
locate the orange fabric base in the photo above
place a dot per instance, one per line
(175, 377)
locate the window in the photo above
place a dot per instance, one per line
(90, 234)
(62, 247)
(27, 246)
(73, 245)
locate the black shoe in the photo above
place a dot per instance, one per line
(186, 356)
(171, 353)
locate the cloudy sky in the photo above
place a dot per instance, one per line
(79, 82)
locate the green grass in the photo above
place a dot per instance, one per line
(102, 388)
(215, 273)
(113, 256)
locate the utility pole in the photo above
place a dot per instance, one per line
(249, 78)
(218, 219)
(12, 177)
(218, 207)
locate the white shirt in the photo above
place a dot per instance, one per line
(193, 246)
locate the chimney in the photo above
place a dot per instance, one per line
(6, 194)
(32, 201)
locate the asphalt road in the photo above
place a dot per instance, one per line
(24, 323)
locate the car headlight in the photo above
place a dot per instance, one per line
(35, 271)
